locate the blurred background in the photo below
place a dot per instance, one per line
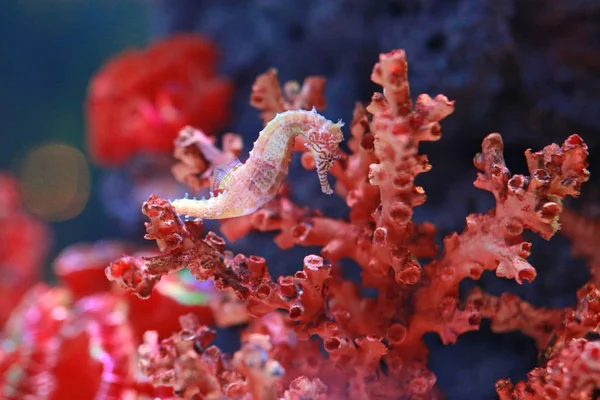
(527, 69)
(50, 50)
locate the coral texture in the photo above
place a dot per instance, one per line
(373, 346)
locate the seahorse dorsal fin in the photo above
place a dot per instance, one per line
(222, 173)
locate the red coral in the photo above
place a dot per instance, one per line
(377, 181)
(79, 341)
(316, 300)
(571, 368)
(522, 202)
(206, 258)
(185, 362)
(197, 156)
(267, 95)
(373, 346)
(51, 340)
(24, 244)
(142, 98)
(354, 175)
(81, 267)
(584, 233)
(509, 313)
(35, 325)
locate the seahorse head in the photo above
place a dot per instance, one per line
(323, 141)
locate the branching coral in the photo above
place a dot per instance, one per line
(374, 344)
(312, 334)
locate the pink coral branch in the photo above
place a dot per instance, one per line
(584, 234)
(268, 97)
(398, 128)
(308, 295)
(494, 241)
(509, 313)
(198, 156)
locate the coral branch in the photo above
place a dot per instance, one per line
(494, 241)
(584, 234)
(509, 313)
(398, 128)
(182, 247)
(534, 202)
(571, 363)
(198, 156)
(268, 98)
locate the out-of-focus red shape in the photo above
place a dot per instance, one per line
(141, 99)
(24, 243)
(81, 267)
(168, 302)
(79, 340)
(76, 372)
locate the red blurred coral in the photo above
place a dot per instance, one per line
(80, 267)
(24, 244)
(584, 233)
(80, 340)
(141, 99)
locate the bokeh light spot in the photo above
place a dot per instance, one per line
(55, 181)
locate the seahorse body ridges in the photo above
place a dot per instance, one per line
(246, 187)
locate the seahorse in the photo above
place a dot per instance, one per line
(243, 188)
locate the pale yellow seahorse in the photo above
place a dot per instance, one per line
(244, 188)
